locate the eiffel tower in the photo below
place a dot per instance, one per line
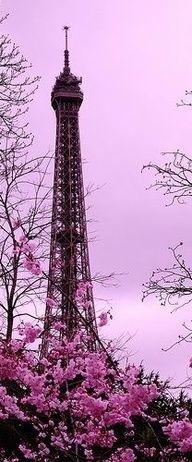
(69, 267)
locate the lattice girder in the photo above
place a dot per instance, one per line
(69, 256)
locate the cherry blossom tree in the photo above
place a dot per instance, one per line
(79, 405)
(74, 405)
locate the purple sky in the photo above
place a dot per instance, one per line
(135, 58)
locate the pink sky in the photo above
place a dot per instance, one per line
(135, 58)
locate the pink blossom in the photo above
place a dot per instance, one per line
(87, 305)
(51, 302)
(16, 345)
(29, 332)
(23, 239)
(27, 452)
(32, 265)
(180, 433)
(29, 247)
(81, 292)
(16, 223)
(123, 455)
(150, 451)
(103, 319)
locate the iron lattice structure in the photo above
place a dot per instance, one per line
(69, 257)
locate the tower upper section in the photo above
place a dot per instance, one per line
(67, 86)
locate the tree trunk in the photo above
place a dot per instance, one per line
(9, 324)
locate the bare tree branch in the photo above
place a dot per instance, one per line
(171, 285)
(174, 177)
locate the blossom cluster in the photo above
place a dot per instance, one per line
(27, 249)
(75, 401)
(72, 400)
(180, 433)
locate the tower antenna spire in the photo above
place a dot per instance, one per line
(66, 52)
